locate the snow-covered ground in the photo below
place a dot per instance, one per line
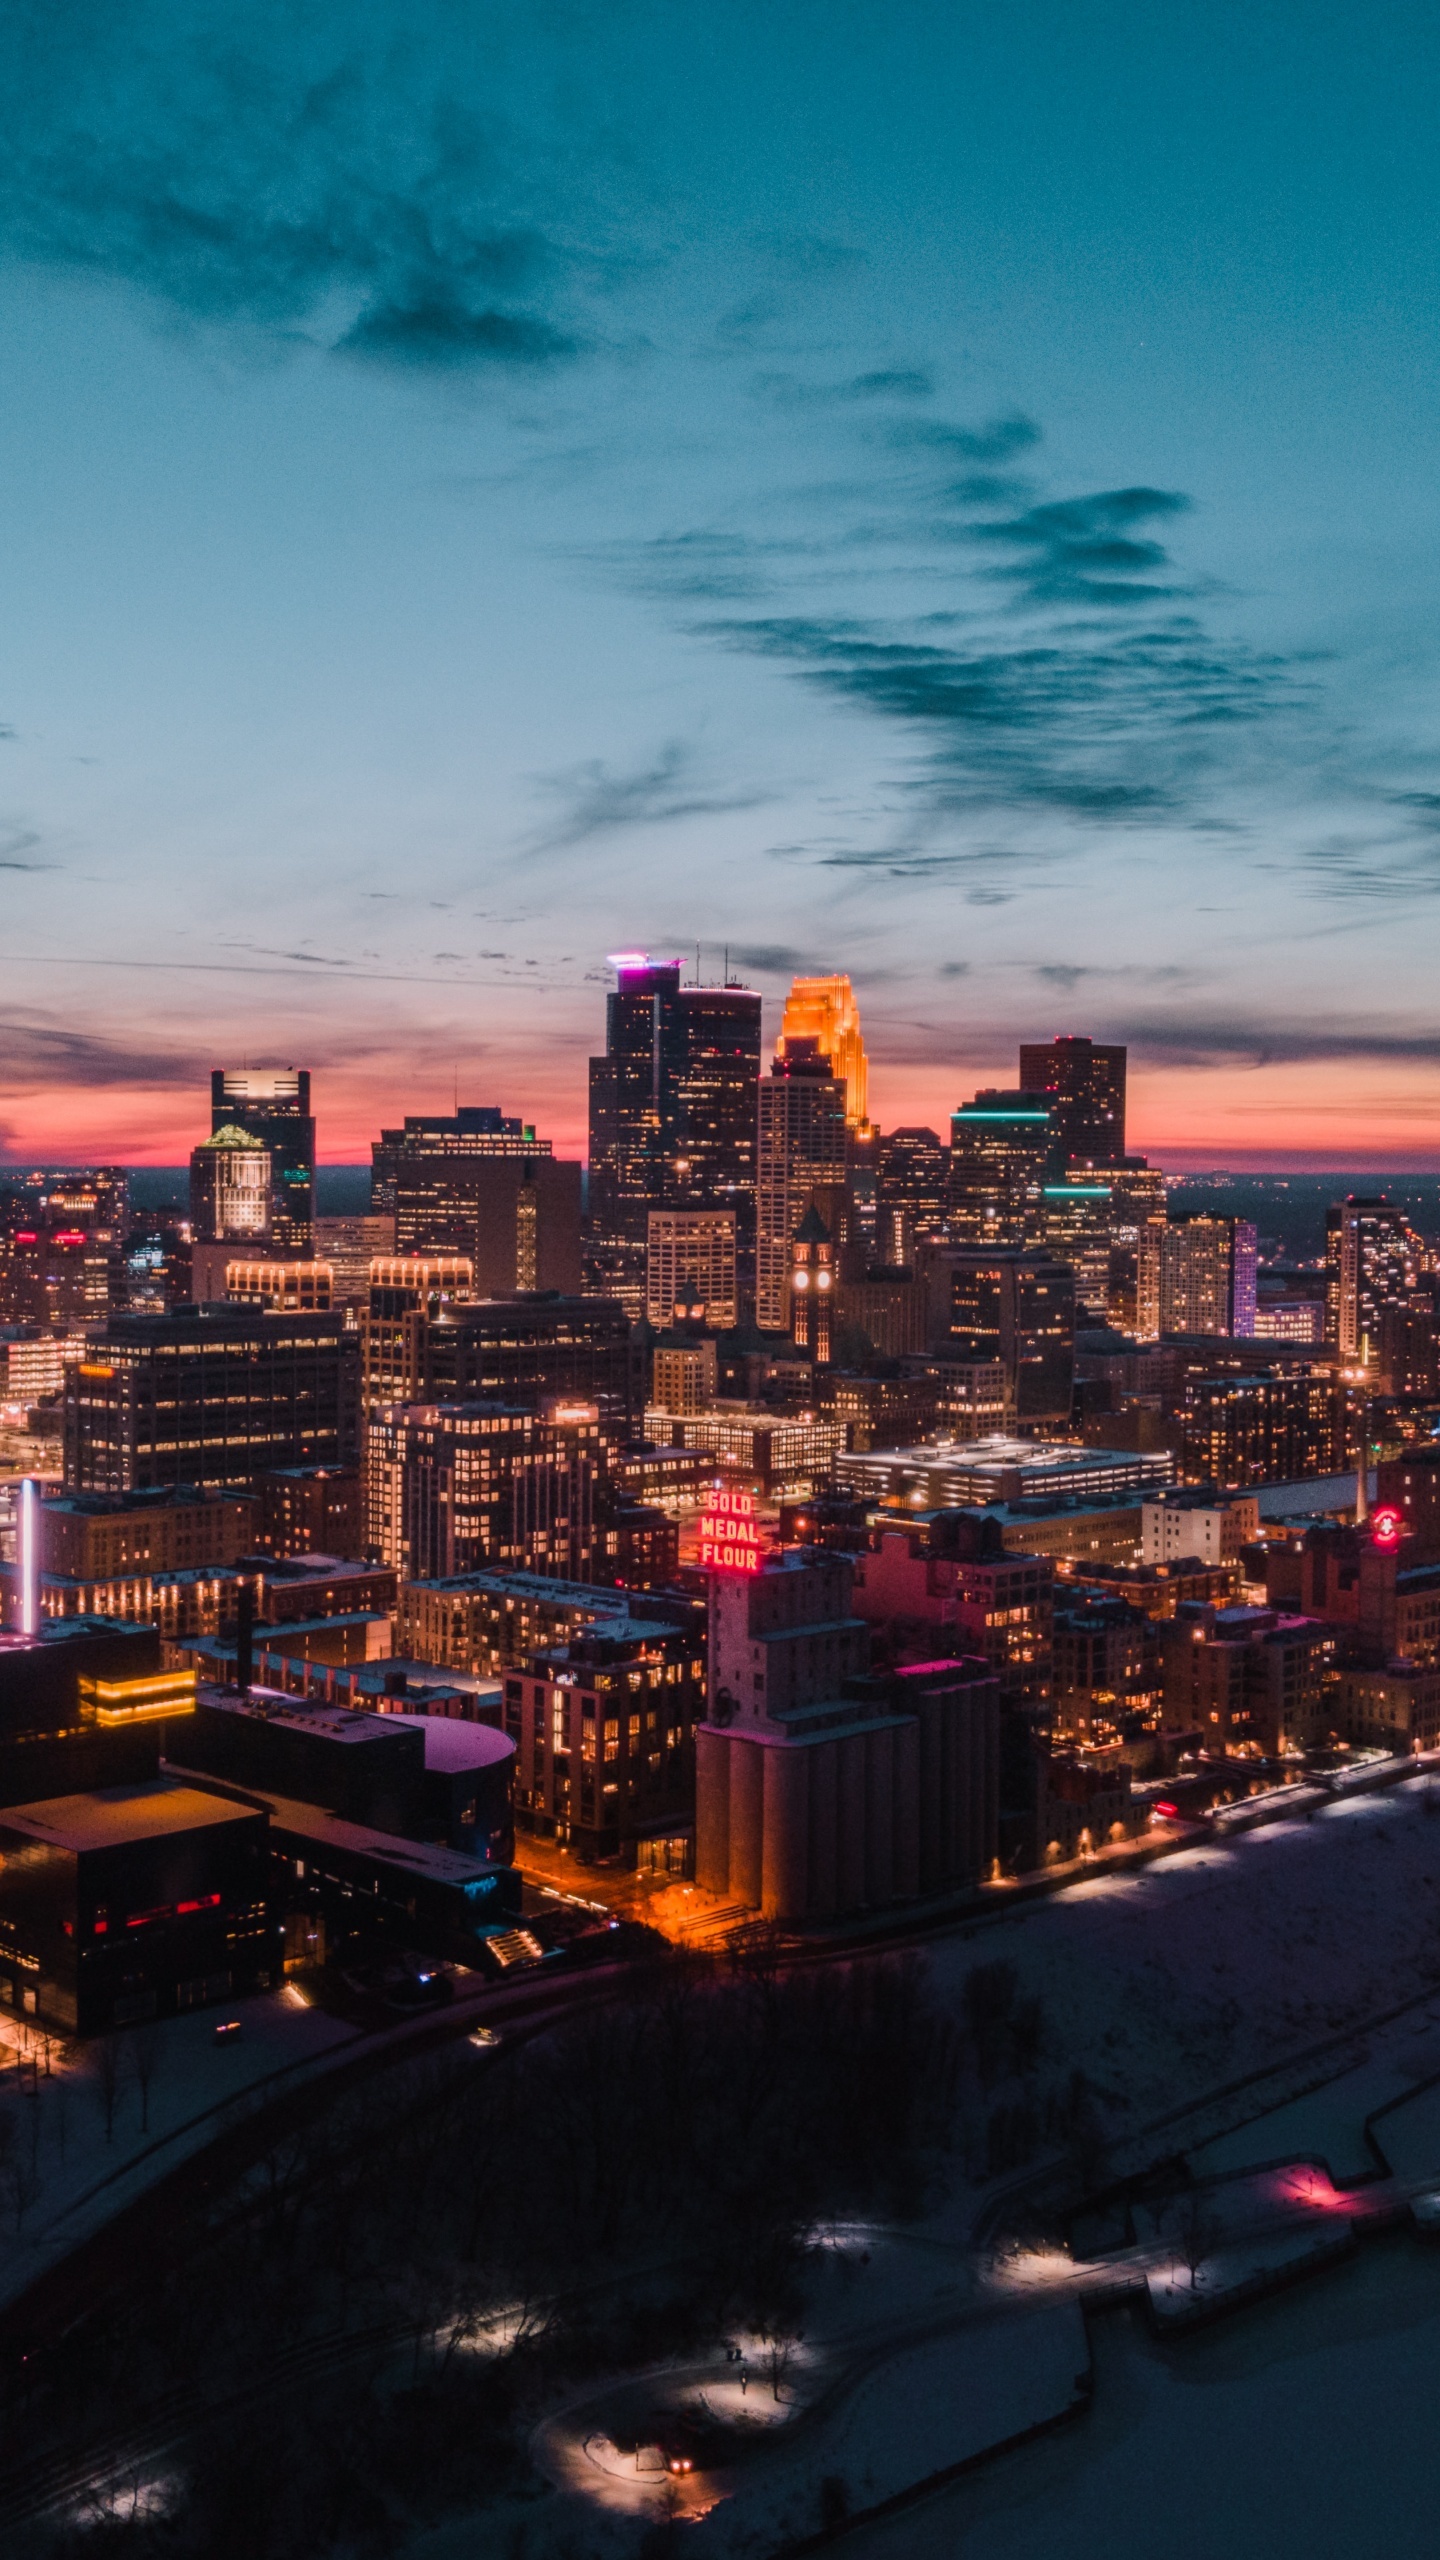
(72, 2153)
(1198, 1969)
(1297, 2428)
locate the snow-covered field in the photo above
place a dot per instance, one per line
(1220, 1961)
(72, 2152)
(1298, 2428)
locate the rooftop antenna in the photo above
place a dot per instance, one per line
(725, 981)
(697, 964)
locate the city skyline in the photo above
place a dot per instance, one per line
(954, 502)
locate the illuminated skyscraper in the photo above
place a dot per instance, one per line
(673, 1102)
(434, 1139)
(273, 1105)
(912, 1184)
(231, 1191)
(690, 1264)
(1085, 1087)
(1196, 1275)
(802, 1151)
(1371, 1263)
(824, 1010)
(999, 1149)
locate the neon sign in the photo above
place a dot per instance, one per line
(1386, 1527)
(729, 1539)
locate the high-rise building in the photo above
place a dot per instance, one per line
(813, 1277)
(824, 1010)
(1196, 1275)
(518, 1350)
(1266, 1428)
(912, 1193)
(98, 1199)
(672, 1102)
(273, 1105)
(350, 1245)
(54, 1275)
(478, 1129)
(802, 1151)
(1012, 1307)
(210, 1395)
(1000, 1147)
(1092, 1217)
(718, 1085)
(256, 1281)
(1372, 1262)
(230, 1189)
(690, 1264)
(1084, 1084)
(457, 1488)
(405, 1290)
(516, 1218)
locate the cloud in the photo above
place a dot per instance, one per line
(775, 959)
(595, 800)
(40, 1051)
(1095, 724)
(897, 382)
(1205, 1040)
(370, 182)
(1000, 440)
(1087, 550)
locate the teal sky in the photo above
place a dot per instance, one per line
(940, 492)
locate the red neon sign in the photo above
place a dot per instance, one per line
(1385, 1528)
(729, 1539)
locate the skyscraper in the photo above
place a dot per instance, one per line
(802, 1151)
(673, 1102)
(1084, 1084)
(210, 1395)
(437, 1138)
(1196, 1275)
(824, 1010)
(1007, 1306)
(912, 1182)
(230, 1188)
(690, 1264)
(1000, 1147)
(273, 1105)
(1371, 1263)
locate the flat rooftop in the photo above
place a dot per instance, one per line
(422, 1859)
(110, 1817)
(317, 1716)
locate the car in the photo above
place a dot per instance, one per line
(225, 2028)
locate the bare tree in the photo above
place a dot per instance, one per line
(1196, 2238)
(146, 2057)
(777, 2359)
(109, 2079)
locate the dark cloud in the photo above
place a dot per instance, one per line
(41, 1051)
(595, 800)
(1088, 551)
(898, 382)
(1205, 1040)
(775, 959)
(1098, 724)
(1056, 973)
(1000, 440)
(335, 171)
(436, 329)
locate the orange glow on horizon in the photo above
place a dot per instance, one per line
(1358, 1114)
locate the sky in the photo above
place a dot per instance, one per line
(941, 492)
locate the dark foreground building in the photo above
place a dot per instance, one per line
(131, 1903)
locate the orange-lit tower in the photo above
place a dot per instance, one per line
(824, 1010)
